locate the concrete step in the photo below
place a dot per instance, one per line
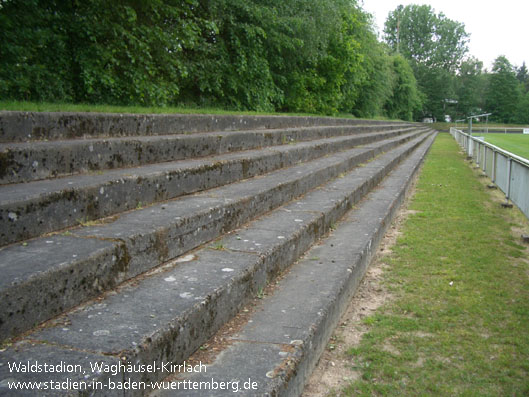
(280, 342)
(24, 162)
(31, 209)
(31, 126)
(45, 276)
(165, 315)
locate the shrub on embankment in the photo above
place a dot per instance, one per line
(293, 55)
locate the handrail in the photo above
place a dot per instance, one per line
(490, 129)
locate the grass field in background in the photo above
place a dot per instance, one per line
(442, 126)
(459, 320)
(514, 143)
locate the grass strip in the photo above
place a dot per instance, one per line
(85, 107)
(459, 320)
(102, 108)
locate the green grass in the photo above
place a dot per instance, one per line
(514, 143)
(69, 107)
(459, 320)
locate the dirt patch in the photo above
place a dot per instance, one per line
(419, 363)
(388, 347)
(336, 369)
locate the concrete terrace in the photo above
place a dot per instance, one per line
(130, 240)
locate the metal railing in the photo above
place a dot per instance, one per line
(494, 130)
(508, 171)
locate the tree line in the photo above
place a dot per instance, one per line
(452, 82)
(289, 56)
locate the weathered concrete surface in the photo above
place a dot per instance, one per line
(248, 380)
(280, 345)
(24, 162)
(23, 126)
(148, 237)
(168, 314)
(30, 209)
(46, 276)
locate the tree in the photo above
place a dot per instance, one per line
(308, 54)
(503, 93)
(34, 56)
(405, 98)
(230, 67)
(426, 38)
(523, 77)
(523, 110)
(123, 52)
(435, 47)
(291, 55)
(470, 87)
(523, 106)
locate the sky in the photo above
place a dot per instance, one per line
(495, 27)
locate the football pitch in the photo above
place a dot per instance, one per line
(514, 143)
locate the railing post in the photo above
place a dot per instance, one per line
(494, 166)
(509, 170)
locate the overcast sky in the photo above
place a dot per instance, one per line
(495, 27)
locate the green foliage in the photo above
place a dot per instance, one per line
(317, 56)
(503, 93)
(426, 38)
(405, 98)
(435, 47)
(523, 77)
(31, 44)
(437, 85)
(124, 52)
(523, 109)
(293, 55)
(470, 88)
(303, 63)
(128, 52)
(378, 78)
(230, 67)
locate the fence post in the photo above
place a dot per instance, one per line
(509, 167)
(494, 166)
